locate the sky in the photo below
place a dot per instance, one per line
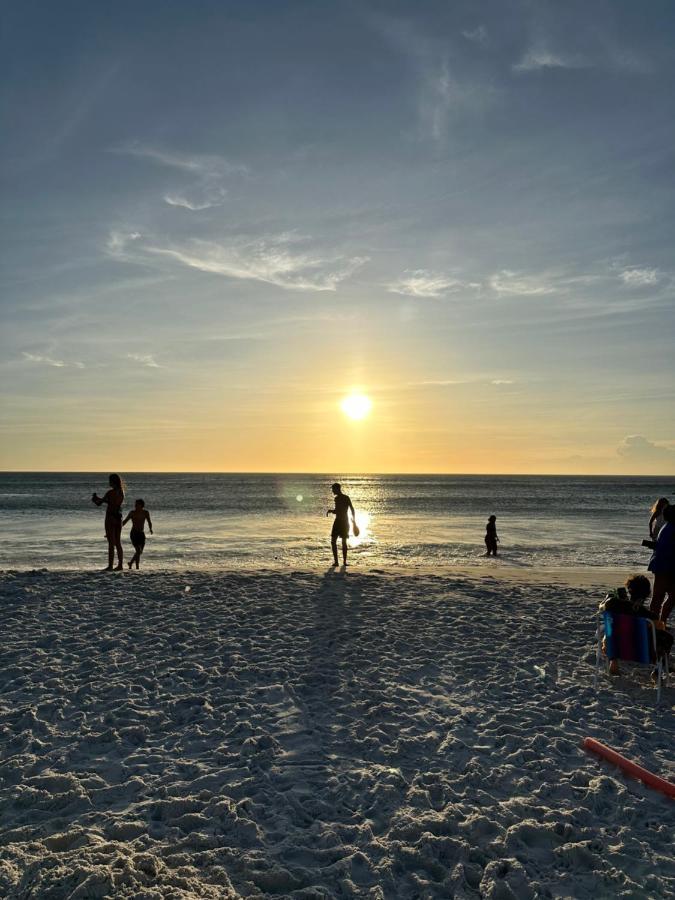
(221, 218)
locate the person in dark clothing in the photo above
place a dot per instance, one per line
(630, 601)
(139, 515)
(113, 498)
(491, 539)
(343, 506)
(662, 565)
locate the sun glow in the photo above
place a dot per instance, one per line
(356, 406)
(363, 521)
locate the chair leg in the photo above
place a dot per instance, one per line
(659, 678)
(598, 656)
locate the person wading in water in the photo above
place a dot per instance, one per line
(343, 506)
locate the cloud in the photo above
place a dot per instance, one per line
(443, 93)
(118, 241)
(637, 448)
(478, 35)
(499, 381)
(277, 260)
(448, 382)
(209, 199)
(421, 283)
(144, 359)
(508, 282)
(209, 171)
(541, 58)
(39, 359)
(634, 276)
(444, 96)
(199, 164)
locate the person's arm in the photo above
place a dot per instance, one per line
(126, 520)
(99, 501)
(351, 506)
(147, 516)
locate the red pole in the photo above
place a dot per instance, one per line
(631, 768)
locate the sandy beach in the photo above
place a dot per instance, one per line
(320, 735)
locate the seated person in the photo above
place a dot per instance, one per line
(630, 600)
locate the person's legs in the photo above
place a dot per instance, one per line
(111, 543)
(668, 590)
(117, 531)
(344, 551)
(658, 593)
(134, 557)
(333, 546)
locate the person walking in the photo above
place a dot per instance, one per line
(491, 539)
(341, 510)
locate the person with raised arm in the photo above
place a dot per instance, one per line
(113, 498)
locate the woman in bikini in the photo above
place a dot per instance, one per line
(114, 498)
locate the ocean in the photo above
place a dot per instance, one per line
(218, 521)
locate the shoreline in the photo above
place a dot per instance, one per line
(589, 576)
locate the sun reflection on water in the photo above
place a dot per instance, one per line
(364, 521)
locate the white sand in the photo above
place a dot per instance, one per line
(315, 736)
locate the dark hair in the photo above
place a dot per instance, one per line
(492, 519)
(140, 502)
(116, 482)
(669, 513)
(638, 586)
(336, 486)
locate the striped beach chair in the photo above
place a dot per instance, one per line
(631, 639)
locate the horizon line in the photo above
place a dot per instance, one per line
(328, 474)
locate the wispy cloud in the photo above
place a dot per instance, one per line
(207, 200)
(40, 359)
(198, 164)
(285, 260)
(636, 276)
(444, 92)
(144, 359)
(209, 173)
(442, 382)
(501, 381)
(508, 282)
(422, 283)
(542, 58)
(444, 95)
(478, 35)
(118, 241)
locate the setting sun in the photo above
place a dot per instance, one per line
(356, 406)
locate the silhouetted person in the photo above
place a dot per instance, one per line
(662, 564)
(657, 520)
(343, 506)
(139, 515)
(114, 498)
(491, 539)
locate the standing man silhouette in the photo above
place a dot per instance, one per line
(343, 506)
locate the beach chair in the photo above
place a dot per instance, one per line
(631, 639)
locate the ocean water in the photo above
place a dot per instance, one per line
(248, 521)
